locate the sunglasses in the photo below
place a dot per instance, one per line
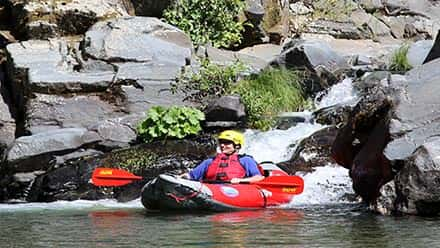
(225, 142)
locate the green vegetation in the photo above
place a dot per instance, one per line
(136, 159)
(208, 20)
(337, 10)
(211, 81)
(269, 93)
(264, 95)
(174, 122)
(399, 61)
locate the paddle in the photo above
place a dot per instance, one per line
(118, 177)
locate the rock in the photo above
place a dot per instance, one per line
(341, 30)
(254, 61)
(332, 115)
(311, 152)
(225, 109)
(29, 153)
(418, 51)
(385, 203)
(45, 19)
(116, 133)
(48, 112)
(7, 124)
(417, 183)
(50, 67)
(324, 64)
(137, 39)
(416, 111)
(434, 53)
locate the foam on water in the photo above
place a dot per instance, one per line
(327, 185)
(276, 145)
(63, 205)
(341, 93)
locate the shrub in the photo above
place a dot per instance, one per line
(264, 95)
(399, 61)
(269, 93)
(211, 81)
(208, 20)
(174, 122)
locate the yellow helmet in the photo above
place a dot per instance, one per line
(234, 136)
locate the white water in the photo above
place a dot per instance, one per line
(326, 185)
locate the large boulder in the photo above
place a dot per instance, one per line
(418, 181)
(29, 153)
(137, 39)
(317, 58)
(44, 19)
(416, 115)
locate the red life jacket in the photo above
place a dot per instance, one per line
(224, 168)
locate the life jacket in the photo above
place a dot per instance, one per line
(224, 168)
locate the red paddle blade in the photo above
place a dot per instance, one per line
(112, 177)
(283, 184)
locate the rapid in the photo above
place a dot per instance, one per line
(326, 215)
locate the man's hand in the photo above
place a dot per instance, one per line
(236, 180)
(184, 176)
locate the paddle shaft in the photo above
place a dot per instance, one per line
(118, 177)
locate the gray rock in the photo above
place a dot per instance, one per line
(374, 25)
(60, 140)
(385, 203)
(41, 19)
(418, 182)
(137, 39)
(45, 112)
(225, 109)
(50, 68)
(115, 133)
(418, 51)
(147, 71)
(148, 94)
(417, 113)
(317, 57)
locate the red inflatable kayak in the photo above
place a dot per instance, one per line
(170, 192)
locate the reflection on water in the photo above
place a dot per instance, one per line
(319, 226)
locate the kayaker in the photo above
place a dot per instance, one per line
(227, 165)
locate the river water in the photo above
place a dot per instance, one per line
(326, 215)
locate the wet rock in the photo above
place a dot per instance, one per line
(311, 152)
(332, 115)
(418, 181)
(385, 202)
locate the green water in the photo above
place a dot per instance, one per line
(323, 226)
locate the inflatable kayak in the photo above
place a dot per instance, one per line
(173, 193)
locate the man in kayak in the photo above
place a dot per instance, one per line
(227, 165)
